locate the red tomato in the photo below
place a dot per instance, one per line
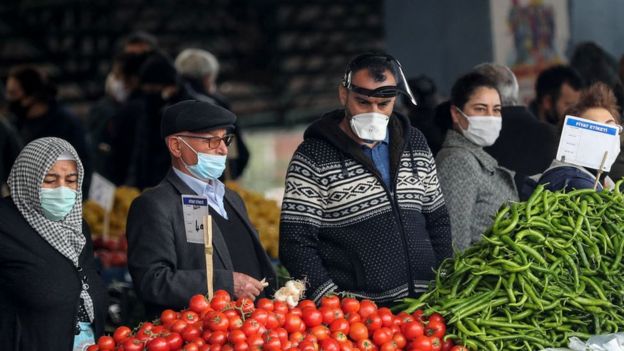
(399, 340)
(280, 307)
(358, 331)
(296, 337)
(312, 317)
(198, 303)
(235, 336)
(245, 304)
(303, 304)
(367, 307)
(189, 316)
(241, 346)
(382, 336)
(330, 314)
(265, 304)
(422, 343)
(93, 348)
(413, 330)
(330, 344)
(250, 327)
(447, 344)
(222, 293)
(231, 312)
(133, 344)
(190, 347)
(321, 332)
(167, 316)
(158, 344)
(272, 344)
(306, 346)
(386, 316)
(435, 328)
(340, 324)
(174, 340)
(218, 337)
(106, 343)
(373, 321)
(272, 321)
(405, 318)
(296, 311)
(219, 303)
(178, 325)
(339, 336)
(459, 348)
(282, 334)
(389, 346)
(353, 317)
(215, 347)
(331, 301)
(190, 332)
(281, 319)
(350, 305)
(365, 345)
(235, 323)
(418, 315)
(260, 315)
(121, 334)
(255, 342)
(436, 317)
(436, 344)
(293, 323)
(217, 321)
(226, 347)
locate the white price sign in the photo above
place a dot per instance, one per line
(584, 143)
(102, 191)
(194, 208)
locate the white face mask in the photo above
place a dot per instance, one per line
(370, 126)
(482, 130)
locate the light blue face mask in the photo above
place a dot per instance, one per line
(56, 203)
(208, 166)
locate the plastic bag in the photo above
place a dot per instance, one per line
(607, 342)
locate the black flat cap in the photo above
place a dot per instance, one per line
(195, 116)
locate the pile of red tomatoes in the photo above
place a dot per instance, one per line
(223, 324)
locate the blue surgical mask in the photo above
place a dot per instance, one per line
(208, 166)
(56, 203)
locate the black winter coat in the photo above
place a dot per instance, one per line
(40, 288)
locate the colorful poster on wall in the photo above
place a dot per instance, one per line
(528, 36)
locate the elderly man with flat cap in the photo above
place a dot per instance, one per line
(166, 268)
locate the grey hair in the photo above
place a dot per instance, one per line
(196, 64)
(505, 80)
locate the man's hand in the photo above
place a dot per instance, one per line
(246, 286)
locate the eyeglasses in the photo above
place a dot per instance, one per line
(213, 142)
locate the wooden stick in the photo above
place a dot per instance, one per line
(208, 252)
(604, 159)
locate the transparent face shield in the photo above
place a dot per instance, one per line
(385, 91)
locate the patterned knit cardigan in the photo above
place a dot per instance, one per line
(342, 229)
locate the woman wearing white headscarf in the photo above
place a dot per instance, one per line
(51, 297)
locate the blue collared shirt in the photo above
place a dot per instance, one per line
(380, 155)
(214, 191)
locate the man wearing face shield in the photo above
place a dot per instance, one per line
(363, 212)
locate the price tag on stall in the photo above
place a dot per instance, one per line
(102, 191)
(584, 143)
(194, 208)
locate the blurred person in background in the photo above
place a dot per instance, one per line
(422, 116)
(598, 104)
(363, 212)
(473, 183)
(51, 296)
(556, 89)
(37, 113)
(10, 144)
(160, 87)
(199, 70)
(139, 42)
(525, 145)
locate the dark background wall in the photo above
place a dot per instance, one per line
(441, 38)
